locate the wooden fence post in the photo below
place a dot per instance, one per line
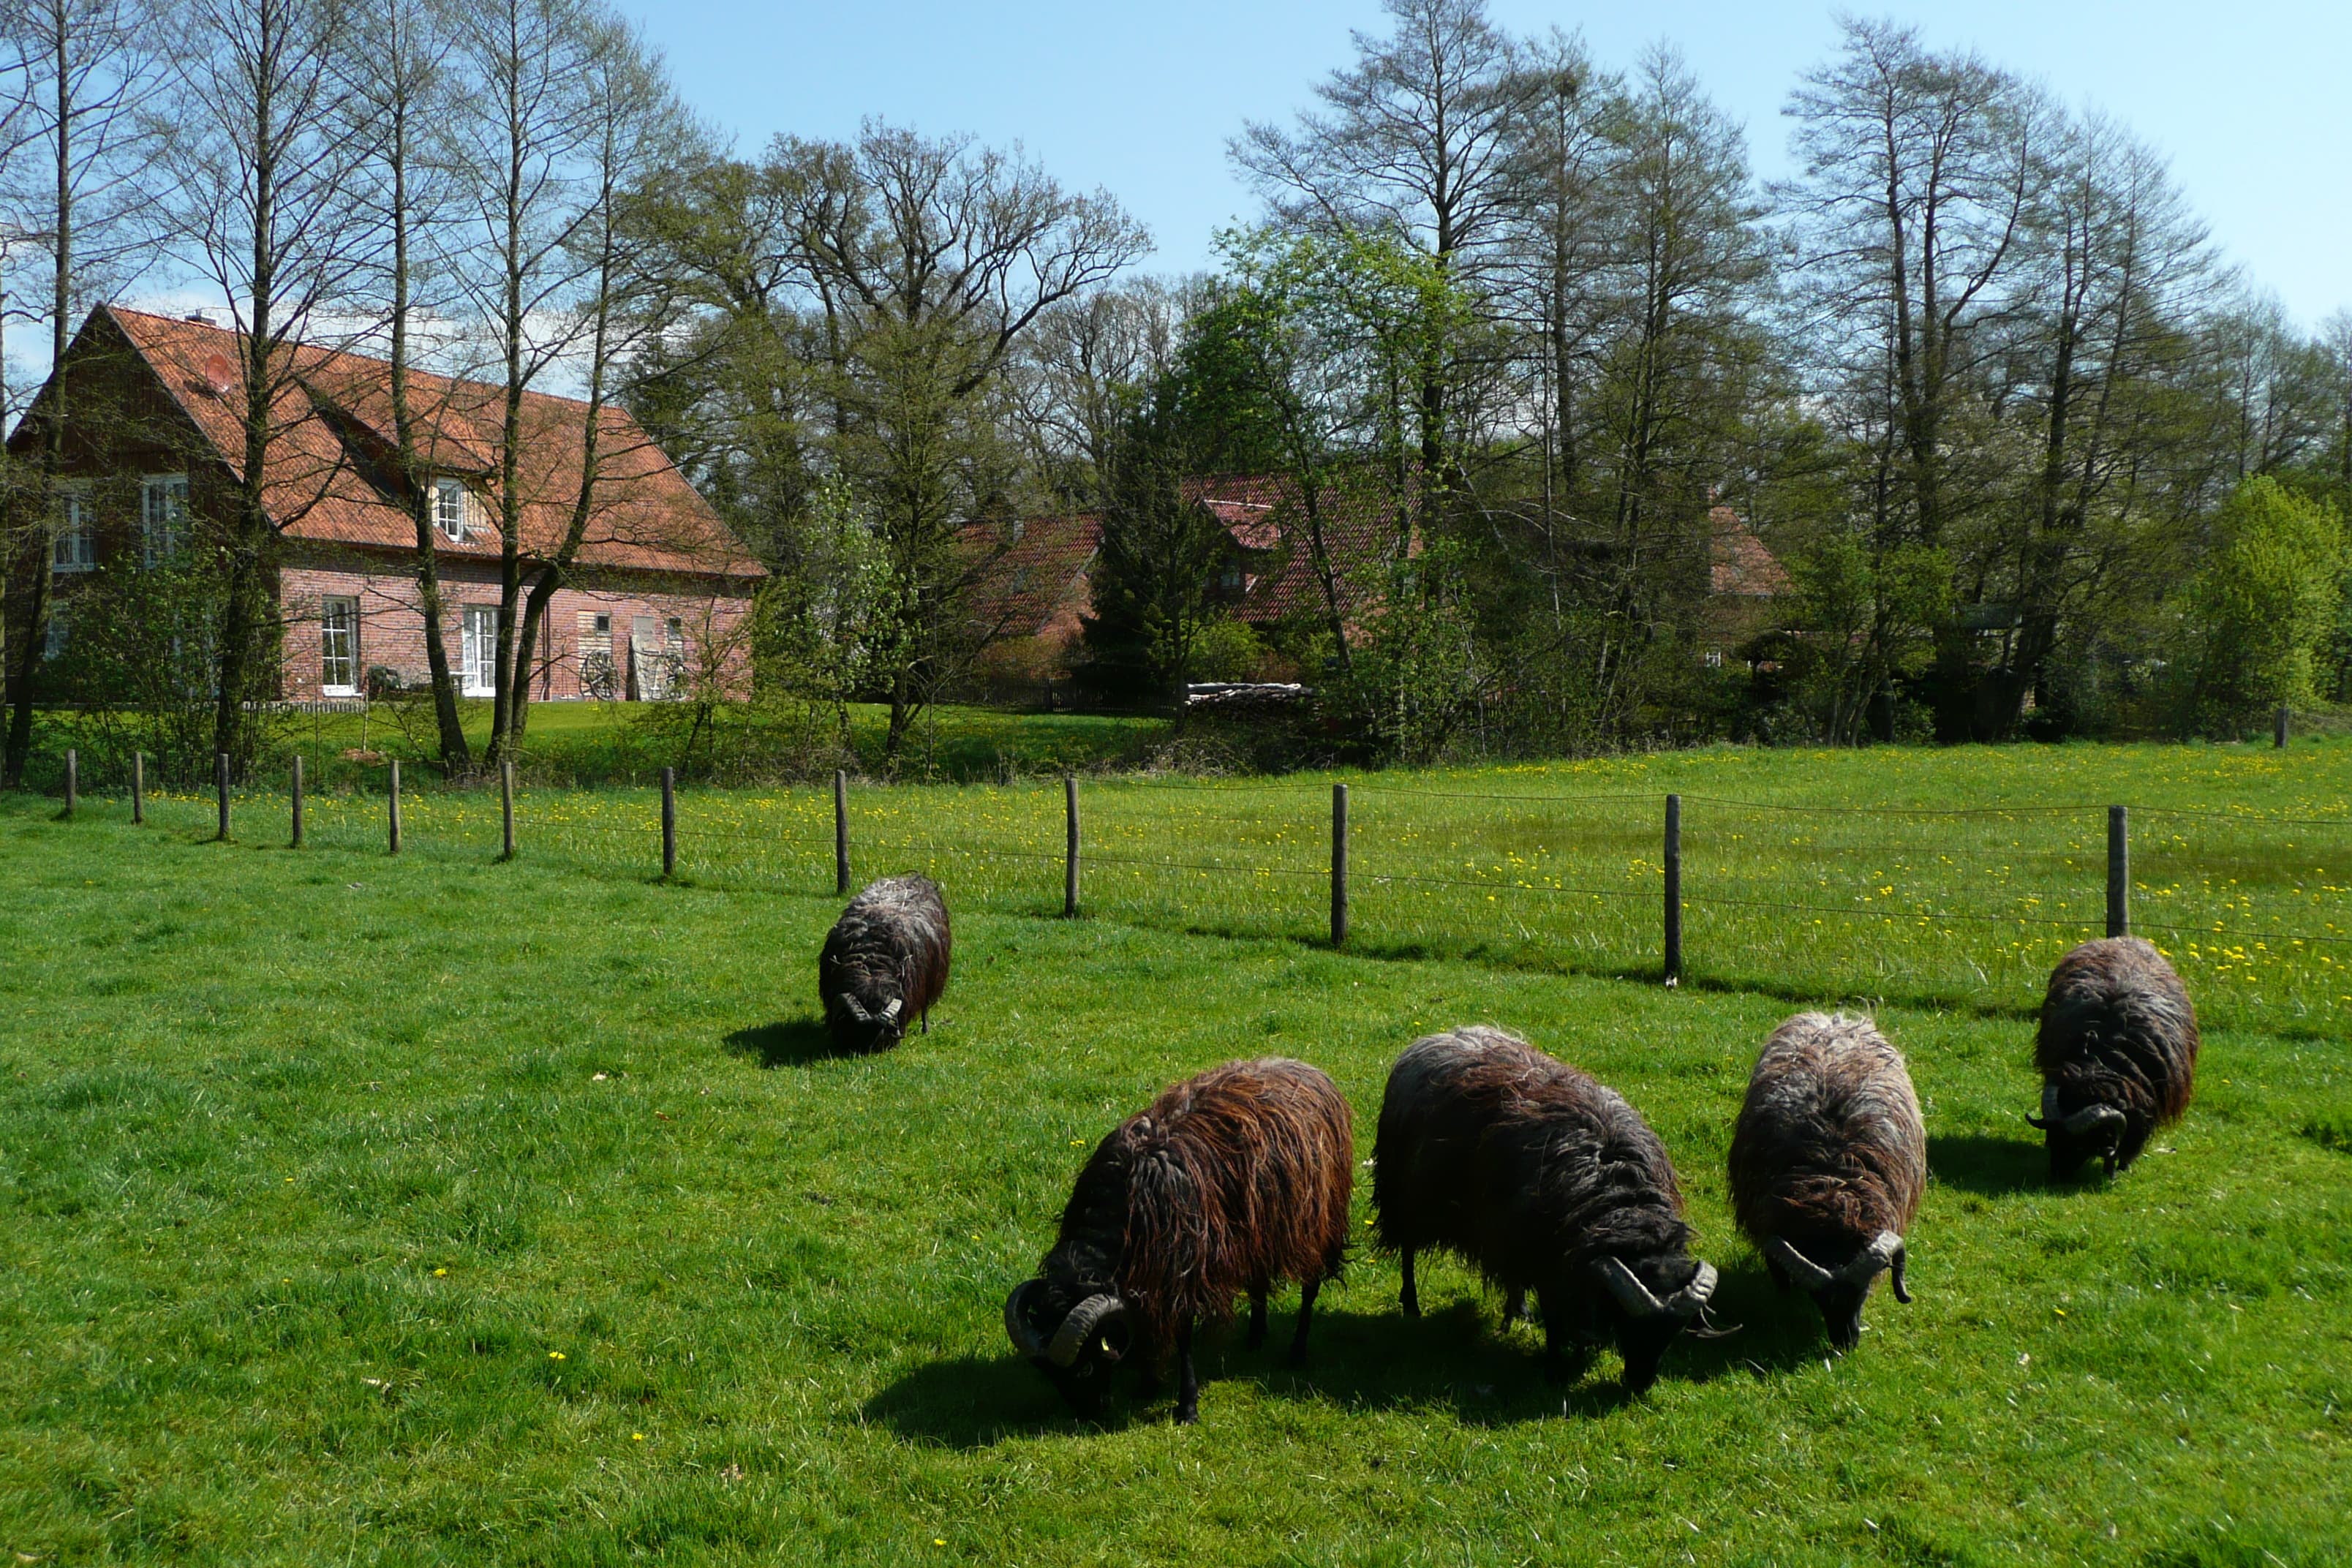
(506, 811)
(1674, 890)
(391, 798)
(2118, 871)
(138, 788)
(2278, 732)
(669, 822)
(840, 831)
(1339, 865)
(1070, 866)
(73, 780)
(220, 785)
(297, 800)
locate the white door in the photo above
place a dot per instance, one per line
(479, 649)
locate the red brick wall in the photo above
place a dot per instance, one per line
(391, 628)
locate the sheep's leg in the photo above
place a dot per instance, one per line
(1565, 1352)
(1257, 1315)
(926, 1020)
(1306, 1315)
(1411, 1296)
(1514, 1306)
(1188, 1384)
(1779, 1274)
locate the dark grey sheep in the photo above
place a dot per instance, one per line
(885, 961)
(1544, 1180)
(1828, 1162)
(2117, 1050)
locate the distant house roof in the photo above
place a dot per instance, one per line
(330, 465)
(1739, 563)
(1038, 582)
(1264, 516)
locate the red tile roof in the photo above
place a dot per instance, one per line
(1040, 584)
(647, 516)
(1263, 513)
(1739, 563)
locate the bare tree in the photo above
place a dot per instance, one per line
(527, 131)
(1414, 141)
(636, 130)
(254, 179)
(80, 75)
(928, 263)
(401, 99)
(1919, 175)
(2115, 267)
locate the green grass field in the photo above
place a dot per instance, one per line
(433, 1209)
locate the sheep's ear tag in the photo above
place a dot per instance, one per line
(889, 1014)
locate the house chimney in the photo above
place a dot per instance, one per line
(201, 317)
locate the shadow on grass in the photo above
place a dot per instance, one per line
(1459, 1360)
(1988, 1165)
(792, 1042)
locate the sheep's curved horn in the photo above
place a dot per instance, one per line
(1873, 1259)
(2049, 1109)
(2095, 1118)
(1808, 1274)
(1693, 1298)
(856, 1010)
(1895, 1276)
(1016, 1318)
(889, 1014)
(1632, 1295)
(1086, 1320)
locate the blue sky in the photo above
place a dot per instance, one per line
(2252, 99)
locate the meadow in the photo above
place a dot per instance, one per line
(436, 1209)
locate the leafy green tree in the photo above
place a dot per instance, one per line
(2263, 605)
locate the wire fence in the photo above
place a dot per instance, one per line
(1962, 906)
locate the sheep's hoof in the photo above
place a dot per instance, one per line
(1187, 1416)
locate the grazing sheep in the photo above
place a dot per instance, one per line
(1544, 1180)
(2117, 1050)
(1231, 1182)
(1827, 1163)
(885, 960)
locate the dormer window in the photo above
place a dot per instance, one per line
(449, 510)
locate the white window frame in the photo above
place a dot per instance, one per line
(76, 543)
(478, 649)
(349, 625)
(53, 639)
(163, 517)
(450, 496)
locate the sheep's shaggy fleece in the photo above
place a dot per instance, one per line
(890, 946)
(1829, 1149)
(2117, 1030)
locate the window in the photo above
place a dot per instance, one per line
(54, 643)
(449, 510)
(596, 657)
(77, 545)
(645, 660)
(479, 649)
(339, 648)
(163, 517)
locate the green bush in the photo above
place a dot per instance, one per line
(2262, 606)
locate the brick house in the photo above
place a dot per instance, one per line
(658, 596)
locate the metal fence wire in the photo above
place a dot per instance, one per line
(1968, 906)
